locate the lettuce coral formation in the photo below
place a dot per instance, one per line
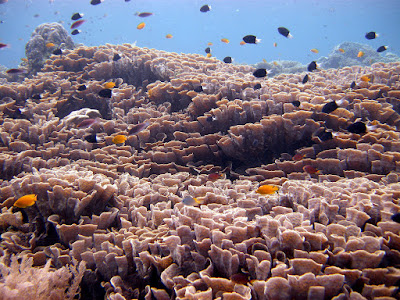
(118, 209)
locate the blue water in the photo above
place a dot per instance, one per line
(314, 24)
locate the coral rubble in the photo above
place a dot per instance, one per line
(117, 209)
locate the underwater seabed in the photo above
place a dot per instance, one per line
(109, 219)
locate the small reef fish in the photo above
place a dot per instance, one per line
(226, 41)
(119, 139)
(78, 23)
(138, 128)
(353, 85)
(311, 170)
(325, 136)
(314, 50)
(329, 107)
(207, 50)
(116, 57)
(2, 45)
(257, 86)
(296, 103)
(357, 127)
(105, 93)
(251, 39)
(143, 14)
(366, 78)
(341, 50)
(215, 176)
(49, 45)
(169, 36)
(57, 52)
(205, 8)
(209, 44)
(190, 201)
(267, 189)
(360, 54)
(198, 89)
(285, 32)
(305, 79)
(371, 35)
(209, 55)
(141, 25)
(26, 201)
(75, 32)
(76, 16)
(87, 123)
(260, 73)
(297, 157)
(16, 71)
(312, 66)
(242, 43)
(396, 217)
(227, 60)
(96, 2)
(275, 44)
(36, 97)
(109, 85)
(382, 48)
(81, 88)
(93, 138)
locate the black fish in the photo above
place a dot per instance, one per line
(57, 52)
(76, 16)
(329, 107)
(251, 39)
(36, 97)
(305, 79)
(75, 32)
(285, 32)
(16, 71)
(81, 88)
(105, 93)
(312, 66)
(227, 60)
(381, 49)
(325, 136)
(257, 86)
(116, 57)
(357, 127)
(353, 85)
(396, 217)
(371, 35)
(207, 50)
(260, 73)
(198, 89)
(95, 2)
(296, 103)
(205, 8)
(92, 138)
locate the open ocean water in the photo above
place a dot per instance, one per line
(314, 24)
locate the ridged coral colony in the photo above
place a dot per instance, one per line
(118, 209)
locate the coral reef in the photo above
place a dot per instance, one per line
(117, 208)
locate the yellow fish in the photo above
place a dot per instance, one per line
(119, 139)
(314, 50)
(226, 41)
(360, 54)
(141, 25)
(169, 36)
(208, 55)
(267, 189)
(366, 78)
(25, 201)
(109, 85)
(49, 45)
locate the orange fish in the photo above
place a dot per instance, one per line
(360, 54)
(25, 201)
(226, 41)
(275, 63)
(242, 43)
(275, 44)
(209, 55)
(49, 45)
(141, 25)
(264, 60)
(24, 59)
(366, 78)
(267, 189)
(119, 139)
(298, 157)
(169, 36)
(214, 176)
(209, 44)
(314, 50)
(109, 85)
(311, 170)
(341, 50)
